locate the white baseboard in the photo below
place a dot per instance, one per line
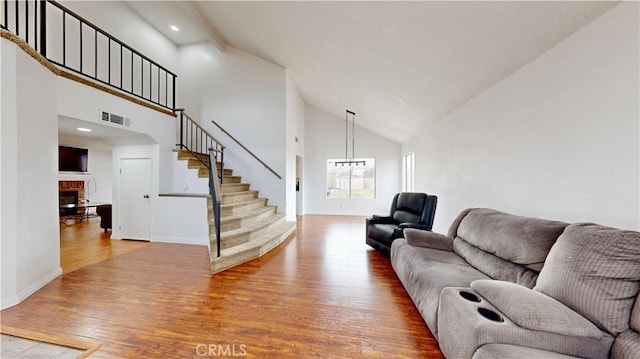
(28, 291)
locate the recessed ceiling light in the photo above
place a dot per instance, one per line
(82, 129)
(175, 28)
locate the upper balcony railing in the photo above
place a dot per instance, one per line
(72, 42)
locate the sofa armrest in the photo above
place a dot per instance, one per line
(495, 351)
(533, 310)
(428, 239)
(468, 321)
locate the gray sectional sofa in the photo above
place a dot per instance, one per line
(505, 286)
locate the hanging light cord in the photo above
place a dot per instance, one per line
(347, 160)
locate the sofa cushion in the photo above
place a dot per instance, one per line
(533, 310)
(424, 272)
(521, 240)
(595, 270)
(493, 266)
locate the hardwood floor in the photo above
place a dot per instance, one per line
(323, 293)
(83, 244)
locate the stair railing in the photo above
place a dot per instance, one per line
(210, 152)
(214, 191)
(248, 151)
(197, 141)
(70, 41)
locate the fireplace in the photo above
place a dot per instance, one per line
(67, 198)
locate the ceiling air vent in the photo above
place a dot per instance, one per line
(116, 119)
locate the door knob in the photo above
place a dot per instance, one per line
(146, 196)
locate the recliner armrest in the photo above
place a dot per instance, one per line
(421, 226)
(428, 239)
(375, 219)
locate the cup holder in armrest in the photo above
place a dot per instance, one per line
(469, 296)
(491, 315)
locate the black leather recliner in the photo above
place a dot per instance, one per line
(408, 210)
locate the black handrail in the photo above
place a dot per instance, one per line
(30, 23)
(215, 192)
(246, 149)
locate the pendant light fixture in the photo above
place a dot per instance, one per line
(349, 160)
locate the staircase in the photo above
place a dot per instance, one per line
(249, 227)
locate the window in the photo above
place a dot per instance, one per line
(408, 171)
(351, 181)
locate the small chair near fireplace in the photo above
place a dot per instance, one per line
(104, 211)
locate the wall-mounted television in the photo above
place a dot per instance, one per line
(72, 159)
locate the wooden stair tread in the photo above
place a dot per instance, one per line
(252, 227)
(240, 192)
(261, 228)
(230, 197)
(238, 204)
(260, 240)
(249, 213)
(253, 249)
(225, 187)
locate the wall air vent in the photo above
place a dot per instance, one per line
(116, 119)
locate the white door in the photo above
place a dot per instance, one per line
(135, 198)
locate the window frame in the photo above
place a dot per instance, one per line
(408, 171)
(350, 195)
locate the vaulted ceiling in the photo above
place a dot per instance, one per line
(398, 65)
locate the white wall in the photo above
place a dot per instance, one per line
(186, 180)
(180, 220)
(99, 181)
(8, 175)
(85, 103)
(295, 117)
(324, 139)
(246, 95)
(558, 139)
(30, 253)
